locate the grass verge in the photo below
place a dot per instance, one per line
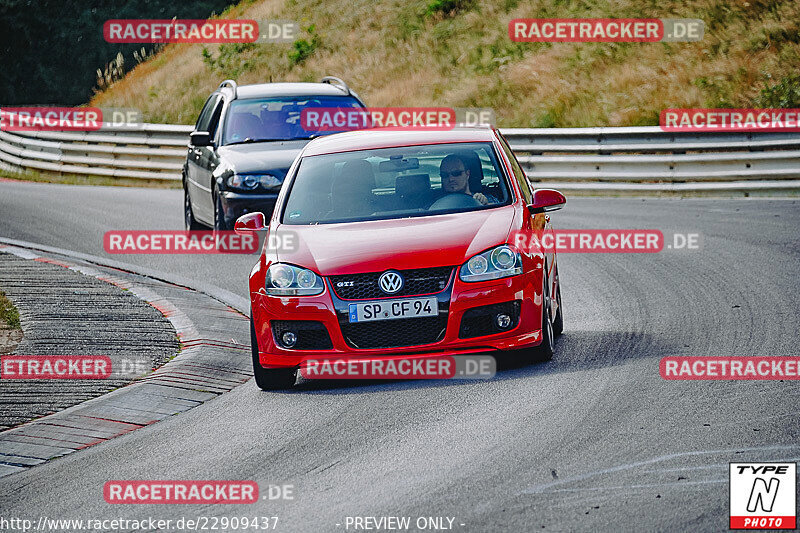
(8, 313)
(71, 179)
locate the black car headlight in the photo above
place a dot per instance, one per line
(500, 262)
(250, 182)
(289, 280)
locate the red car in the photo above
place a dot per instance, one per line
(390, 244)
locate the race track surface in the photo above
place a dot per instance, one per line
(593, 440)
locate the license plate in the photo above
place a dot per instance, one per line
(391, 309)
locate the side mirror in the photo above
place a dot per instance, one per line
(249, 222)
(200, 138)
(545, 200)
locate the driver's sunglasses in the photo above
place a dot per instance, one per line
(453, 173)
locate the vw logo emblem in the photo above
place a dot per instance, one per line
(390, 282)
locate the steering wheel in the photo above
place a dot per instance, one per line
(454, 200)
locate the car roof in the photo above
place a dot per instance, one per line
(285, 89)
(376, 138)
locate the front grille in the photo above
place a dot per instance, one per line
(416, 281)
(311, 335)
(479, 321)
(395, 333)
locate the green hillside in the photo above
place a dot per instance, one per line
(457, 53)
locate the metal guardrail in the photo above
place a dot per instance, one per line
(649, 154)
(154, 151)
(578, 158)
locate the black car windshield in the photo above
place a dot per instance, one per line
(277, 118)
(389, 183)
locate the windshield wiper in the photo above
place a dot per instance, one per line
(250, 140)
(312, 136)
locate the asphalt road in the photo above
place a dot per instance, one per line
(593, 440)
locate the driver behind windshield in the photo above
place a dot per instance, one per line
(455, 179)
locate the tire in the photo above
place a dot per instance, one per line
(269, 379)
(219, 218)
(544, 351)
(189, 221)
(558, 323)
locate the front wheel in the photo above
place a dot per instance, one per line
(544, 351)
(558, 323)
(188, 215)
(268, 379)
(219, 215)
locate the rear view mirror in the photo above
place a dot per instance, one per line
(200, 138)
(249, 222)
(545, 200)
(398, 164)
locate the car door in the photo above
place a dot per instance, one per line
(199, 192)
(208, 161)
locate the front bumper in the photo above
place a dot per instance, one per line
(457, 299)
(235, 204)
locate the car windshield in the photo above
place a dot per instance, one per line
(391, 183)
(277, 118)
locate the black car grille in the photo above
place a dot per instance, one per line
(395, 333)
(479, 321)
(311, 335)
(416, 281)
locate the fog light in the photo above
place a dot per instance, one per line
(289, 339)
(502, 320)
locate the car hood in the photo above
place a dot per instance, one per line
(373, 246)
(260, 157)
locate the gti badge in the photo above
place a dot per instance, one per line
(390, 282)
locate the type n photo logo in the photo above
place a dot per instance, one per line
(763, 495)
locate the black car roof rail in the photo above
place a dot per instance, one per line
(338, 82)
(231, 84)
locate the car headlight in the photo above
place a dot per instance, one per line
(243, 181)
(252, 181)
(500, 262)
(290, 280)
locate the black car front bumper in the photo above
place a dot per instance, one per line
(235, 204)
